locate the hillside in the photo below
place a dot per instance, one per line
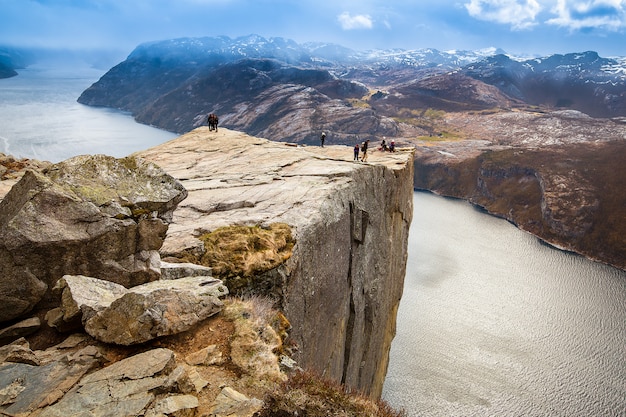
(279, 89)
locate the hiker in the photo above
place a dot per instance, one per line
(392, 147)
(323, 138)
(364, 150)
(383, 146)
(213, 121)
(356, 152)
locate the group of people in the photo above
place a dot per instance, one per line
(212, 121)
(390, 148)
(360, 150)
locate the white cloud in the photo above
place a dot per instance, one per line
(520, 14)
(597, 14)
(360, 21)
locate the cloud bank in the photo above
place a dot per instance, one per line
(349, 22)
(573, 15)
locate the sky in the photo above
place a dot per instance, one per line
(519, 27)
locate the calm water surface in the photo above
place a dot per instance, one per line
(493, 323)
(40, 118)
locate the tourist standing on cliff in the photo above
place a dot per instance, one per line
(364, 150)
(323, 138)
(357, 149)
(212, 121)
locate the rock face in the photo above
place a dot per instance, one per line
(350, 220)
(558, 176)
(90, 215)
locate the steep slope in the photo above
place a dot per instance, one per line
(266, 98)
(559, 176)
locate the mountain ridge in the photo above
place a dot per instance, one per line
(366, 94)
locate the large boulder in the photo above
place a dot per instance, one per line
(91, 215)
(111, 313)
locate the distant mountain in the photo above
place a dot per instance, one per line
(12, 59)
(581, 81)
(280, 89)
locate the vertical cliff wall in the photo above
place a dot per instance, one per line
(350, 220)
(570, 196)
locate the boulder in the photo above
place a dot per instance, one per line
(92, 215)
(113, 314)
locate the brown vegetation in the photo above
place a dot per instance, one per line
(306, 393)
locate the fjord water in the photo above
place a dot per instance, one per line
(494, 323)
(40, 118)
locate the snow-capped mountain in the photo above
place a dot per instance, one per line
(258, 83)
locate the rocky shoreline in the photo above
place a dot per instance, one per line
(558, 175)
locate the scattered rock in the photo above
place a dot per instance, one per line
(26, 387)
(176, 405)
(18, 352)
(125, 388)
(231, 403)
(210, 355)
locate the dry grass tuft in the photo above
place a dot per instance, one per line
(246, 250)
(257, 340)
(305, 393)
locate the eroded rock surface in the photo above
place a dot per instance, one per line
(91, 215)
(350, 221)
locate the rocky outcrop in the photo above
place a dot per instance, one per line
(90, 215)
(157, 348)
(200, 373)
(341, 287)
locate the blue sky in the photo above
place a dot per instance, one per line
(521, 27)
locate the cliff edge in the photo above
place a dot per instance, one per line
(342, 284)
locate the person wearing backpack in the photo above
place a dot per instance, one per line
(364, 150)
